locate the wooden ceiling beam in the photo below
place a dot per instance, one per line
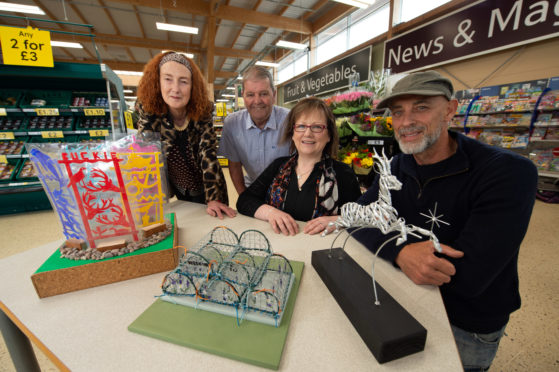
(232, 13)
(337, 12)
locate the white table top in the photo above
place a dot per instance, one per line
(87, 330)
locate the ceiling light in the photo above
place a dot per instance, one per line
(230, 88)
(65, 44)
(240, 77)
(127, 91)
(189, 55)
(358, 3)
(228, 95)
(122, 72)
(11, 7)
(177, 28)
(130, 98)
(222, 100)
(267, 64)
(290, 45)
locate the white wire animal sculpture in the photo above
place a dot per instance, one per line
(380, 214)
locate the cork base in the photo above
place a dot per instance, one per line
(93, 274)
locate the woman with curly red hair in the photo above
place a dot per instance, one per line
(173, 101)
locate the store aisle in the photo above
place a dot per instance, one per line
(532, 340)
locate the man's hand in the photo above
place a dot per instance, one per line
(419, 263)
(217, 209)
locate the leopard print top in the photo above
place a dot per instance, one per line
(203, 141)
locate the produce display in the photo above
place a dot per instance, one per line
(27, 171)
(50, 122)
(6, 171)
(8, 101)
(7, 123)
(96, 122)
(83, 101)
(13, 147)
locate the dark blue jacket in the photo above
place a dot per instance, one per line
(486, 195)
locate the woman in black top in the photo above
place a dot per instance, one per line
(309, 185)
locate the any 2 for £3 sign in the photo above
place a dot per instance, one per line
(26, 47)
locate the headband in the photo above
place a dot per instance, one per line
(175, 57)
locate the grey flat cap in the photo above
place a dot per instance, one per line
(427, 83)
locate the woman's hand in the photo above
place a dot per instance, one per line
(320, 224)
(280, 221)
(217, 209)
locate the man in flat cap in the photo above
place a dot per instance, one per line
(481, 199)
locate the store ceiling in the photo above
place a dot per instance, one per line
(236, 32)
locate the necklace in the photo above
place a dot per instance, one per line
(299, 175)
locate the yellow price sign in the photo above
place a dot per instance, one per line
(47, 112)
(3, 112)
(26, 46)
(99, 133)
(128, 119)
(223, 162)
(94, 112)
(52, 134)
(3, 159)
(221, 109)
(7, 135)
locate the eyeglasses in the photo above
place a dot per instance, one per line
(315, 128)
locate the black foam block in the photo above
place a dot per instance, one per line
(388, 330)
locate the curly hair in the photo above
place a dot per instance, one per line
(306, 105)
(149, 91)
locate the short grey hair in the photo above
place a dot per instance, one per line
(258, 73)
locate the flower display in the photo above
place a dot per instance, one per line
(359, 158)
(364, 124)
(349, 102)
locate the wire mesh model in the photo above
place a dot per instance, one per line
(237, 276)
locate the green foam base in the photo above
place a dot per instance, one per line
(55, 262)
(251, 342)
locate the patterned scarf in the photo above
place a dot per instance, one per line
(326, 195)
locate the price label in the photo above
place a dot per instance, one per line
(6, 135)
(47, 112)
(94, 112)
(26, 46)
(128, 119)
(3, 112)
(52, 134)
(221, 109)
(99, 133)
(223, 162)
(3, 159)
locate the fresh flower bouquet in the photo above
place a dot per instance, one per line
(365, 125)
(349, 102)
(359, 158)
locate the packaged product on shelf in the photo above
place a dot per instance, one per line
(8, 123)
(475, 133)
(541, 158)
(12, 147)
(552, 133)
(27, 170)
(539, 133)
(50, 123)
(521, 141)
(491, 136)
(6, 171)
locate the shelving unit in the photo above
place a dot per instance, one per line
(523, 117)
(39, 104)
